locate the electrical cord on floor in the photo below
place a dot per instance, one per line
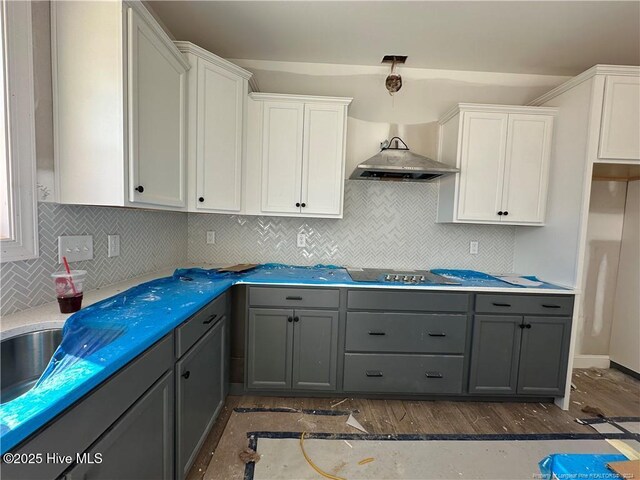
(313, 465)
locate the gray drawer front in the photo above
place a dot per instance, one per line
(190, 332)
(294, 297)
(403, 373)
(406, 301)
(406, 332)
(525, 304)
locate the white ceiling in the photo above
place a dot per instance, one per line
(544, 37)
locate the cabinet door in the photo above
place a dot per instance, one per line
(323, 159)
(221, 97)
(156, 100)
(495, 351)
(315, 355)
(524, 195)
(140, 444)
(199, 387)
(282, 156)
(482, 166)
(270, 338)
(620, 124)
(543, 355)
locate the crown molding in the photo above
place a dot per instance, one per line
(483, 107)
(622, 70)
(280, 97)
(188, 47)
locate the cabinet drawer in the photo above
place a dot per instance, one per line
(525, 304)
(189, 332)
(294, 297)
(403, 373)
(406, 301)
(405, 332)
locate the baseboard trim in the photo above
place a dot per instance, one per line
(624, 369)
(591, 361)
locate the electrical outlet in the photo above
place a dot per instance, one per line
(301, 241)
(473, 247)
(75, 248)
(211, 237)
(113, 243)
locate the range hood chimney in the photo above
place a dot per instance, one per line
(395, 162)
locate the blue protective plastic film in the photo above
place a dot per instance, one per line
(566, 466)
(102, 338)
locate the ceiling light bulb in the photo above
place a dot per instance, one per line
(394, 80)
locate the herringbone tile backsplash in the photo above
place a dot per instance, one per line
(149, 240)
(387, 225)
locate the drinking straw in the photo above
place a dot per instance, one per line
(66, 267)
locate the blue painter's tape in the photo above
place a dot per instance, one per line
(102, 338)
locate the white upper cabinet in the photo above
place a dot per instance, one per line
(620, 122)
(296, 155)
(503, 155)
(217, 103)
(119, 94)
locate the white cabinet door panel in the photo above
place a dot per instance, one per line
(323, 159)
(620, 125)
(156, 97)
(281, 156)
(482, 165)
(527, 168)
(220, 107)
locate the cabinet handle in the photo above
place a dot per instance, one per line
(297, 204)
(303, 204)
(551, 306)
(210, 319)
(528, 325)
(501, 304)
(500, 213)
(139, 189)
(437, 334)
(377, 333)
(373, 373)
(433, 375)
(294, 298)
(201, 199)
(296, 319)
(186, 374)
(505, 213)
(289, 319)
(522, 325)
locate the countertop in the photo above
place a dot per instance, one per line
(121, 321)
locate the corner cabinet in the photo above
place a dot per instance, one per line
(503, 154)
(620, 121)
(119, 98)
(216, 104)
(296, 155)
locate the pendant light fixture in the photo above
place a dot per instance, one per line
(393, 81)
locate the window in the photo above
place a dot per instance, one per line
(18, 206)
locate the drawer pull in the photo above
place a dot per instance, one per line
(437, 334)
(294, 298)
(377, 333)
(501, 304)
(186, 374)
(210, 319)
(551, 306)
(373, 373)
(433, 375)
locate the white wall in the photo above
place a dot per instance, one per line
(604, 235)
(625, 332)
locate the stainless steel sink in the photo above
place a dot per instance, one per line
(24, 358)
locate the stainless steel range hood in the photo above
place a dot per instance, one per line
(396, 162)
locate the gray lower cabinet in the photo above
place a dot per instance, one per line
(524, 355)
(200, 386)
(494, 354)
(139, 445)
(292, 349)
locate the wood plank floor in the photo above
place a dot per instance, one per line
(613, 392)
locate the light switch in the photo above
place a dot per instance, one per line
(75, 247)
(113, 242)
(211, 237)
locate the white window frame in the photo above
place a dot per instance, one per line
(20, 131)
